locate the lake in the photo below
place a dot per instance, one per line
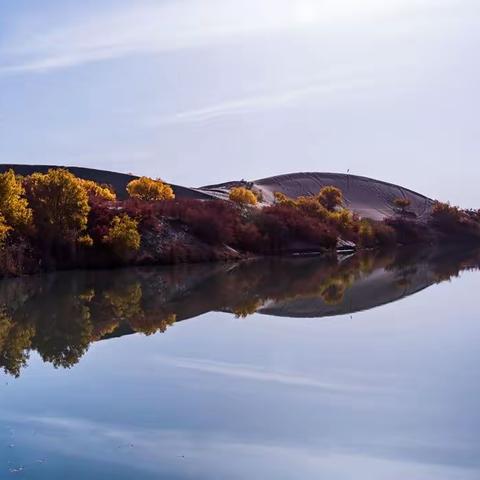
(361, 368)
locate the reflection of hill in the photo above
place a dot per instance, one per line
(369, 290)
(60, 315)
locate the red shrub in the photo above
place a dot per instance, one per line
(285, 224)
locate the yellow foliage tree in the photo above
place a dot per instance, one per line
(243, 196)
(148, 189)
(59, 202)
(98, 190)
(4, 230)
(126, 303)
(151, 324)
(311, 205)
(282, 199)
(13, 203)
(123, 235)
(330, 197)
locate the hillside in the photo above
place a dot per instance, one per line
(365, 196)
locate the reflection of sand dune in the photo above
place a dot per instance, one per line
(59, 315)
(369, 198)
(368, 291)
(300, 287)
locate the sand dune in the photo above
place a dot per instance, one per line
(368, 197)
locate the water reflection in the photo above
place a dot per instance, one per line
(60, 315)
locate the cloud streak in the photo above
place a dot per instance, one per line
(250, 372)
(145, 29)
(263, 102)
(149, 27)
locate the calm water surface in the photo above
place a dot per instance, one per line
(365, 368)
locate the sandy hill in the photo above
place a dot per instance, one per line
(368, 197)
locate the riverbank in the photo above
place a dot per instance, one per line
(56, 220)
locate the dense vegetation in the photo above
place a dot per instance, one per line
(55, 220)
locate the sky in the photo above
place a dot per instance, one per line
(204, 91)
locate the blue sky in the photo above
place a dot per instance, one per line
(200, 91)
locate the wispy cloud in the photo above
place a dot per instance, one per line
(144, 28)
(251, 372)
(264, 101)
(148, 27)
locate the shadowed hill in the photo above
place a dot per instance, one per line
(365, 196)
(117, 180)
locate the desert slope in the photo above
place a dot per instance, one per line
(368, 197)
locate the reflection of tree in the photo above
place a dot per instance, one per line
(64, 336)
(15, 343)
(248, 307)
(149, 324)
(125, 301)
(60, 315)
(126, 305)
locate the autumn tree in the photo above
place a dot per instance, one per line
(123, 235)
(97, 190)
(330, 197)
(64, 337)
(15, 343)
(59, 202)
(242, 196)
(4, 230)
(148, 189)
(282, 199)
(13, 203)
(312, 205)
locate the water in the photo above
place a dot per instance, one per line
(278, 369)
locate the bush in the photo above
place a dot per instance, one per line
(282, 199)
(409, 231)
(450, 220)
(312, 206)
(284, 225)
(123, 235)
(376, 234)
(330, 197)
(148, 189)
(242, 196)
